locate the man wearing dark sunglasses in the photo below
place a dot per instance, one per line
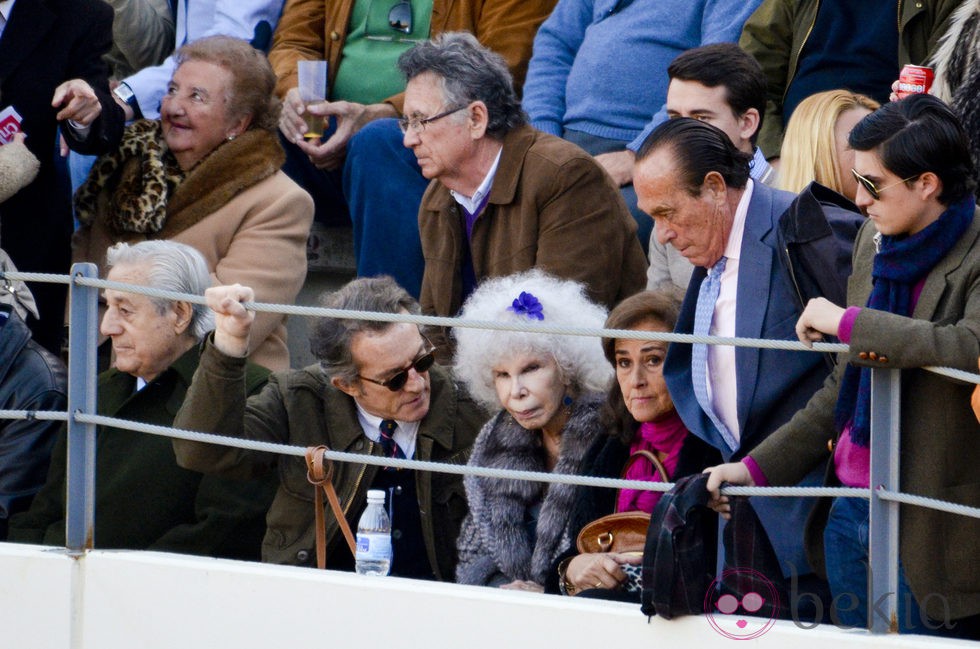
(375, 391)
(912, 302)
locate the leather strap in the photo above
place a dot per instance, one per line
(658, 467)
(319, 472)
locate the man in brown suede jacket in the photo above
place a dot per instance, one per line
(505, 198)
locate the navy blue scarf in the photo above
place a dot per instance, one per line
(900, 263)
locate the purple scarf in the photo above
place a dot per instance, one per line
(664, 436)
(899, 264)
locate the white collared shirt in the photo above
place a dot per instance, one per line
(722, 381)
(6, 6)
(472, 203)
(405, 435)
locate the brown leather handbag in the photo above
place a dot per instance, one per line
(319, 471)
(622, 531)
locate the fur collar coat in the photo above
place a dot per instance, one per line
(235, 207)
(494, 544)
(150, 195)
(957, 65)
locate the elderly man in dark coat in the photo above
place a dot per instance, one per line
(143, 500)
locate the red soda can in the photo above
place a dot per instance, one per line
(914, 80)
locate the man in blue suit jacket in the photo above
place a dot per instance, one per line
(695, 184)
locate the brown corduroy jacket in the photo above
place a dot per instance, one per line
(551, 207)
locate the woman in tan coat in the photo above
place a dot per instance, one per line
(207, 174)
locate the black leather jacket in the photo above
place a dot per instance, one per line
(31, 378)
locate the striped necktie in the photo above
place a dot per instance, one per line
(389, 447)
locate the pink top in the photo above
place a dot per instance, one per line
(852, 462)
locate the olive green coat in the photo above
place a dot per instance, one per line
(301, 408)
(939, 432)
(143, 500)
(776, 33)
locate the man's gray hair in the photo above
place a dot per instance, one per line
(331, 339)
(169, 266)
(468, 72)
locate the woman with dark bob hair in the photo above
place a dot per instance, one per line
(639, 416)
(207, 174)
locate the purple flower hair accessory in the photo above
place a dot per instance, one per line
(528, 306)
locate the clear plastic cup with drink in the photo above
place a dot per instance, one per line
(312, 90)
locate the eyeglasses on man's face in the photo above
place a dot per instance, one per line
(873, 189)
(417, 123)
(422, 363)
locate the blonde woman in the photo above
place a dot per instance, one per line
(815, 145)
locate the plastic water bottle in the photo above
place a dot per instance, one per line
(373, 555)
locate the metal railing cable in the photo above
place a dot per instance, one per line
(458, 469)
(438, 321)
(885, 422)
(928, 503)
(46, 415)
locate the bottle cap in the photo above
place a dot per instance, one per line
(376, 496)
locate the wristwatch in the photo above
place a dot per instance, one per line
(128, 97)
(564, 585)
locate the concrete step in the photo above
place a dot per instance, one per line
(330, 249)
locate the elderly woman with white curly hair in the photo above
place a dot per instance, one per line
(549, 389)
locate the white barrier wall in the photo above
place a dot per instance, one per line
(126, 600)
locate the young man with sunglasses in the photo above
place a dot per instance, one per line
(376, 391)
(911, 303)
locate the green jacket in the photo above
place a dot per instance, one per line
(939, 432)
(776, 33)
(143, 500)
(300, 408)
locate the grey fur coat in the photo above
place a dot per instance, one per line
(957, 64)
(494, 544)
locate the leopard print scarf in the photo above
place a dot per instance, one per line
(140, 189)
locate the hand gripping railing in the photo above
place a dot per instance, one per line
(82, 420)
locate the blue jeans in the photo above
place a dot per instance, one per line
(383, 186)
(846, 549)
(330, 208)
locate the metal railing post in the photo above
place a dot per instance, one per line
(80, 479)
(883, 601)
